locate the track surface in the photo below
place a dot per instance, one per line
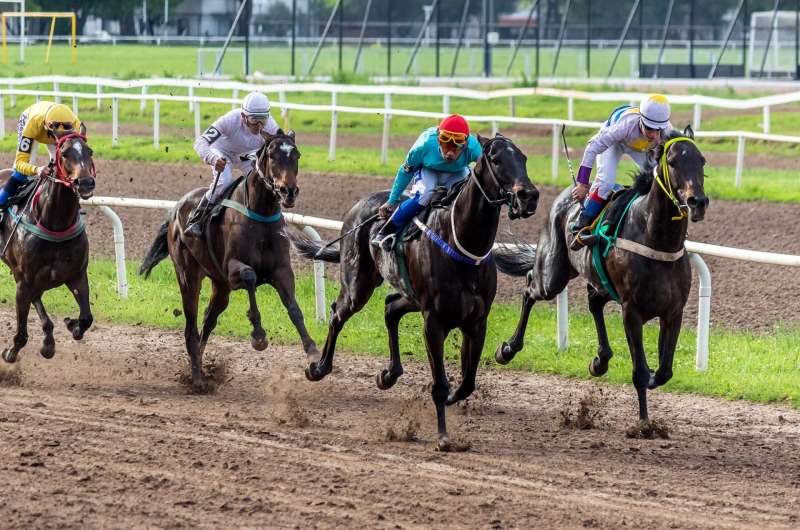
(104, 436)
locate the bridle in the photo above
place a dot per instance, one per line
(665, 182)
(60, 174)
(270, 183)
(506, 197)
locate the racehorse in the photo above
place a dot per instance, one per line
(243, 250)
(50, 247)
(651, 277)
(453, 287)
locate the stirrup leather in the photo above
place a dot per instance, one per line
(584, 238)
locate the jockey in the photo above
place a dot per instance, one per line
(225, 147)
(440, 157)
(629, 130)
(43, 122)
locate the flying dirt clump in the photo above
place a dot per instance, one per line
(10, 374)
(590, 410)
(215, 374)
(284, 405)
(649, 430)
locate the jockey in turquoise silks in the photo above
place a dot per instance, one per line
(440, 157)
(629, 130)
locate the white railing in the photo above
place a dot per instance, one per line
(308, 223)
(387, 112)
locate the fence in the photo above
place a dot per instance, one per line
(194, 103)
(308, 223)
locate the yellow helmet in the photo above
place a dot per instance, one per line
(59, 116)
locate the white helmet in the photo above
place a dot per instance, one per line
(655, 111)
(256, 103)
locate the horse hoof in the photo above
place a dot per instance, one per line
(595, 370)
(71, 323)
(77, 333)
(48, 351)
(9, 355)
(452, 399)
(652, 383)
(503, 354)
(383, 382)
(313, 373)
(259, 344)
(444, 445)
(313, 355)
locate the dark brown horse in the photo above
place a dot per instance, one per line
(450, 293)
(648, 287)
(50, 248)
(249, 249)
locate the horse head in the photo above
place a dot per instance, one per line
(678, 156)
(277, 164)
(74, 163)
(507, 168)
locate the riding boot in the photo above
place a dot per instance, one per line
(386, 235)
(195, 224)
(581, 230)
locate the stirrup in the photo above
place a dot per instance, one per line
(584, 238)
(194, 230)
(386, 242)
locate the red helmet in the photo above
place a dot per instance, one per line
(454, 124)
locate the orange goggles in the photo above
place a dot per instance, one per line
(61, 125)
(457, 139)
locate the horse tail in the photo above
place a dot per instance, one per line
(316, 250)
(158, 251)
(516, 259)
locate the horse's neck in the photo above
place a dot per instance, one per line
(661, 231)
(474, 219)
(259, 199)
(58, 207)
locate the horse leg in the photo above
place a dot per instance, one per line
(667, 341)
(434, 343)
(473, 337)
(238, 274)
(396, 307)
(23, 303)
(220, 295)
(48, 349)
(506, 351)
(641, 372)
(80, 290)
(599, 365)
(283, 282)
(190, 280)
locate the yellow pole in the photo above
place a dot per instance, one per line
(50, 41)
(3, 19)
(74, 40)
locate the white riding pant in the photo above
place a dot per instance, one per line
(425, 180)
(225, 177)
(607, 165)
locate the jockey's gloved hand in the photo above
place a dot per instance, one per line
(219, 164)
(579, 192)
(386, 210)
(44, 171)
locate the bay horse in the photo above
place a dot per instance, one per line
(50, 248)
(451, 292)
(648, 284)
(246, 249)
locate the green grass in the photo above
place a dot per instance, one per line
(757, 184)
(742, 365)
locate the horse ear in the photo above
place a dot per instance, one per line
(291, 134)
(654, 154)
(83, 129)
(482, 140)
(265, 135)
(688, 132)
(663, 136)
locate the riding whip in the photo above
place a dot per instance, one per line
(369, 220)
(51, 165)
(569, 164)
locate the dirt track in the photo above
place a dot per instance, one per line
(105, 436)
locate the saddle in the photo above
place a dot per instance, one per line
(219, 207)
(611, 216)
(441, 199)
(23, 192)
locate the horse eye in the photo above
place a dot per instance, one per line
(671, 162)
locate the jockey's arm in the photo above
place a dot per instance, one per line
(202, 145)
(599, 143)
(404, 174)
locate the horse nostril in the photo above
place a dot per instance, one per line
(284, 191)
(691, 202)
(705, 202)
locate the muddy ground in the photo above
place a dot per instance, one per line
(105, 435)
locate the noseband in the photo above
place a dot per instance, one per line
(61, 175)
(506, 197)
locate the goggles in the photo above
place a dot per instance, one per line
(252, 119)
(459, 140)
(61, 125)
(650, 129)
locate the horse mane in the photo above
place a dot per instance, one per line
(643, 180)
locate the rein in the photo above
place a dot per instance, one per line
(664, 181)
(60, 174)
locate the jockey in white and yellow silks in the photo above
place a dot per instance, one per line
(629, 130)
(38, 123)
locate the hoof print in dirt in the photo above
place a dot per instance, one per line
(649, 430)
